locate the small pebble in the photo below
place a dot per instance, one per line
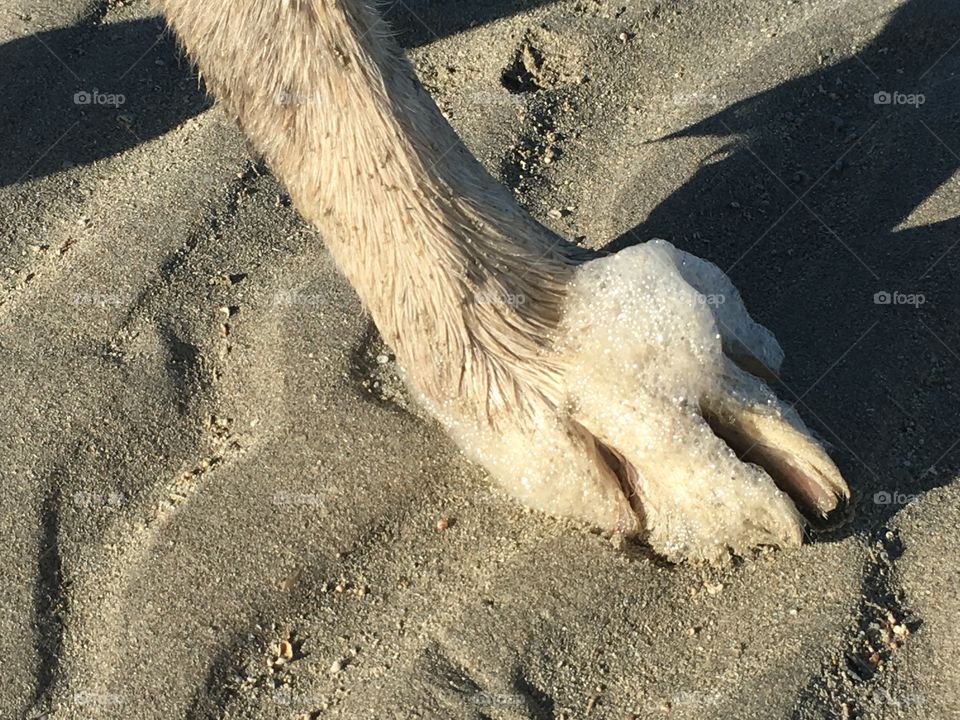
(713, 589)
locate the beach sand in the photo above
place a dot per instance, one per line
(218, 502)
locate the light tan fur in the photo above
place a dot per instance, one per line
(472, 293)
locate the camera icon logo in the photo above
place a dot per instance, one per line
(882, 498)
(882, 98)
(82, 97)
(882, 298)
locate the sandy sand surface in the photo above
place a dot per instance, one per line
(218, 503)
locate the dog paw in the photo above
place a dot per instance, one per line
(665, 375)
(662, 426)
